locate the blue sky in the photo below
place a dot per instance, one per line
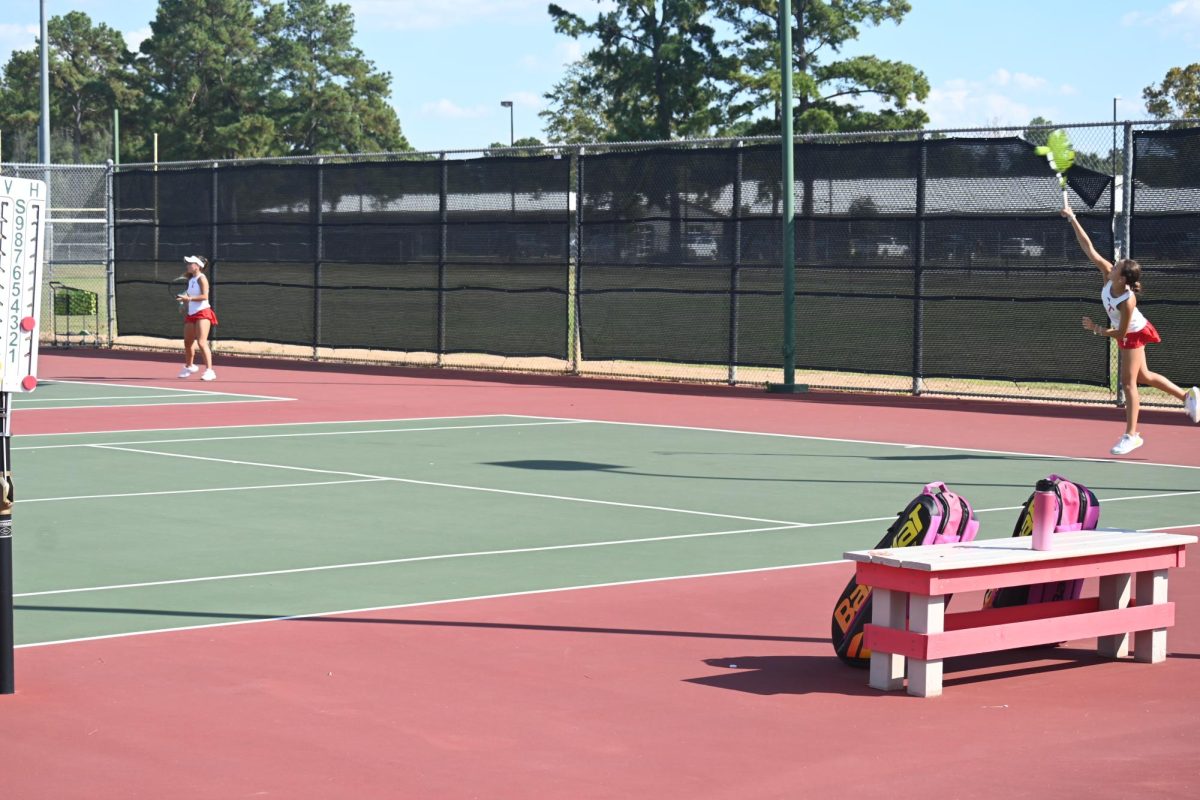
(987, 62)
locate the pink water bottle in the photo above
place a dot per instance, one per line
(1045, 511)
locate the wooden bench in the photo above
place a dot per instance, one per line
(910, 586)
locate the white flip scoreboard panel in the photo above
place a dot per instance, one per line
(22, 240)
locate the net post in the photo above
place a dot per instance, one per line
(7, 677)
(918, 365)
(443, 233)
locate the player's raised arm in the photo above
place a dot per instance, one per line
(1103, 264)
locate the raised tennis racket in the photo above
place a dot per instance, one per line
(1061, 157)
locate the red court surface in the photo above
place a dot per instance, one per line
(711, 687)
(726, 688)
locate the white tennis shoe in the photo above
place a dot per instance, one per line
(1191, 404)
(208, 375)
(1126, 444)
(188, 371)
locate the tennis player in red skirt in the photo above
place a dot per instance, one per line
(1131, 329)
(199, 321)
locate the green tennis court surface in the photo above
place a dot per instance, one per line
(71, 394)
(148, 530)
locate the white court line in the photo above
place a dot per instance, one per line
(1170, 528)
(406, 560)
(871, 441)
(448, 485)
(171, 389)
(313, 433)
(249, 399)
(20, 401)
(199, 491)
(479, 553)
(287, 424)
(337, 612)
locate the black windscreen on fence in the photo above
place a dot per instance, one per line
(937, 258)
(1166, 241)
(931, 258)
(432, 256)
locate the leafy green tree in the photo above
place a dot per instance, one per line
(655, 74)
(498, 148)
(829, 91)
(576, 113)
(90, 75)
(330, 98)
(207, 78)
(1177, 96)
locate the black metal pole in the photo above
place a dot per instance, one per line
(735, 267)
(918, 366)
(443, 247)
(7, 681)
(318, 221)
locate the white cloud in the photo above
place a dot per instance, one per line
(448, 109)
(569, 51)
(1068, 90)
(1029, 83)
(1181, 18)
(527, 99)
(134, 39)
(16, 37)
(1001, 99)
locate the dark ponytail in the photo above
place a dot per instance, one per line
(1131, 271)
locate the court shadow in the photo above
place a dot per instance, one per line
(790, 674)
(559, 465)
(801, 674)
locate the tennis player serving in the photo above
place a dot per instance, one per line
(1131, 329)
(199, 321)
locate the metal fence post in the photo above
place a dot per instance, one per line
(110, 267)
(1124, 224)
(212, 264)
(576, 345)
(443, 225)
(734, 269)
(318, 252)
(918, 365)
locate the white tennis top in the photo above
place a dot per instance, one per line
(195, 306)
(1136, 322)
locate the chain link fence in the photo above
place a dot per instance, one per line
(926, 262)
(77, 298)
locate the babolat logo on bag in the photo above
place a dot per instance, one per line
(937, 515)
(1078, 510)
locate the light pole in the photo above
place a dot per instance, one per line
(509, 105)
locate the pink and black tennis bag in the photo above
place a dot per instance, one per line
(1078, 510)
(936, 516)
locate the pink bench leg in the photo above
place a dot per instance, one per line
(926, 615)
(1151, 646)
(887, 669)
(1114, 593)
